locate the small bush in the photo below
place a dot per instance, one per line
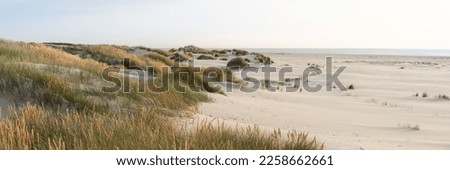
(213, 73)
(444, 97)
(424, 95)
(240, 52)
(262, 58)
(205, 57)
(351, 87)
(237, 63)
(194, 49)
(416, 127)
(194, 78)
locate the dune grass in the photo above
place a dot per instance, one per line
(262, 58)
(113, 55)
(237, 63)
(443, 97)
(37, 53)
(194, 49)
(59, 106)
(31, 127)
(179, 57)
(162, 52)
(205, 57)
(33, 71)
(195, 78)
(240, 52)
(157, 51)
(351, 87)
(161, 58)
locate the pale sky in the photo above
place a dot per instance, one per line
(423, 24)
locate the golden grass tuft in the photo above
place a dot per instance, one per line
(162, 52)
(161, 58)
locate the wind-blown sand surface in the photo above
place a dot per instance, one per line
(380, 113)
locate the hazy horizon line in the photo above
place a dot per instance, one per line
(280, 48)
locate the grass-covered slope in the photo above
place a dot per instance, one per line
(45, 76)
(56, 103)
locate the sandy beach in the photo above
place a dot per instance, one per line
(381, 112)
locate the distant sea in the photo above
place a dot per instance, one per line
(397, 52)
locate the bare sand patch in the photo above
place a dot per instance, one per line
(380, 113)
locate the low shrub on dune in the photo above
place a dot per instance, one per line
(262, 58)
(240, 52)
(194, 49)
(237, 63)
(180, 57)
(205, 57)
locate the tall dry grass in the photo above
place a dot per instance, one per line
(113, 55)
(37, 53)
(161, 58)
(31, 127)
(161, 52)
(46, 76)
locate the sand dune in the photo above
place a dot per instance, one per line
(380, 113)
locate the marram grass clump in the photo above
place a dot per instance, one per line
(33, 128)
